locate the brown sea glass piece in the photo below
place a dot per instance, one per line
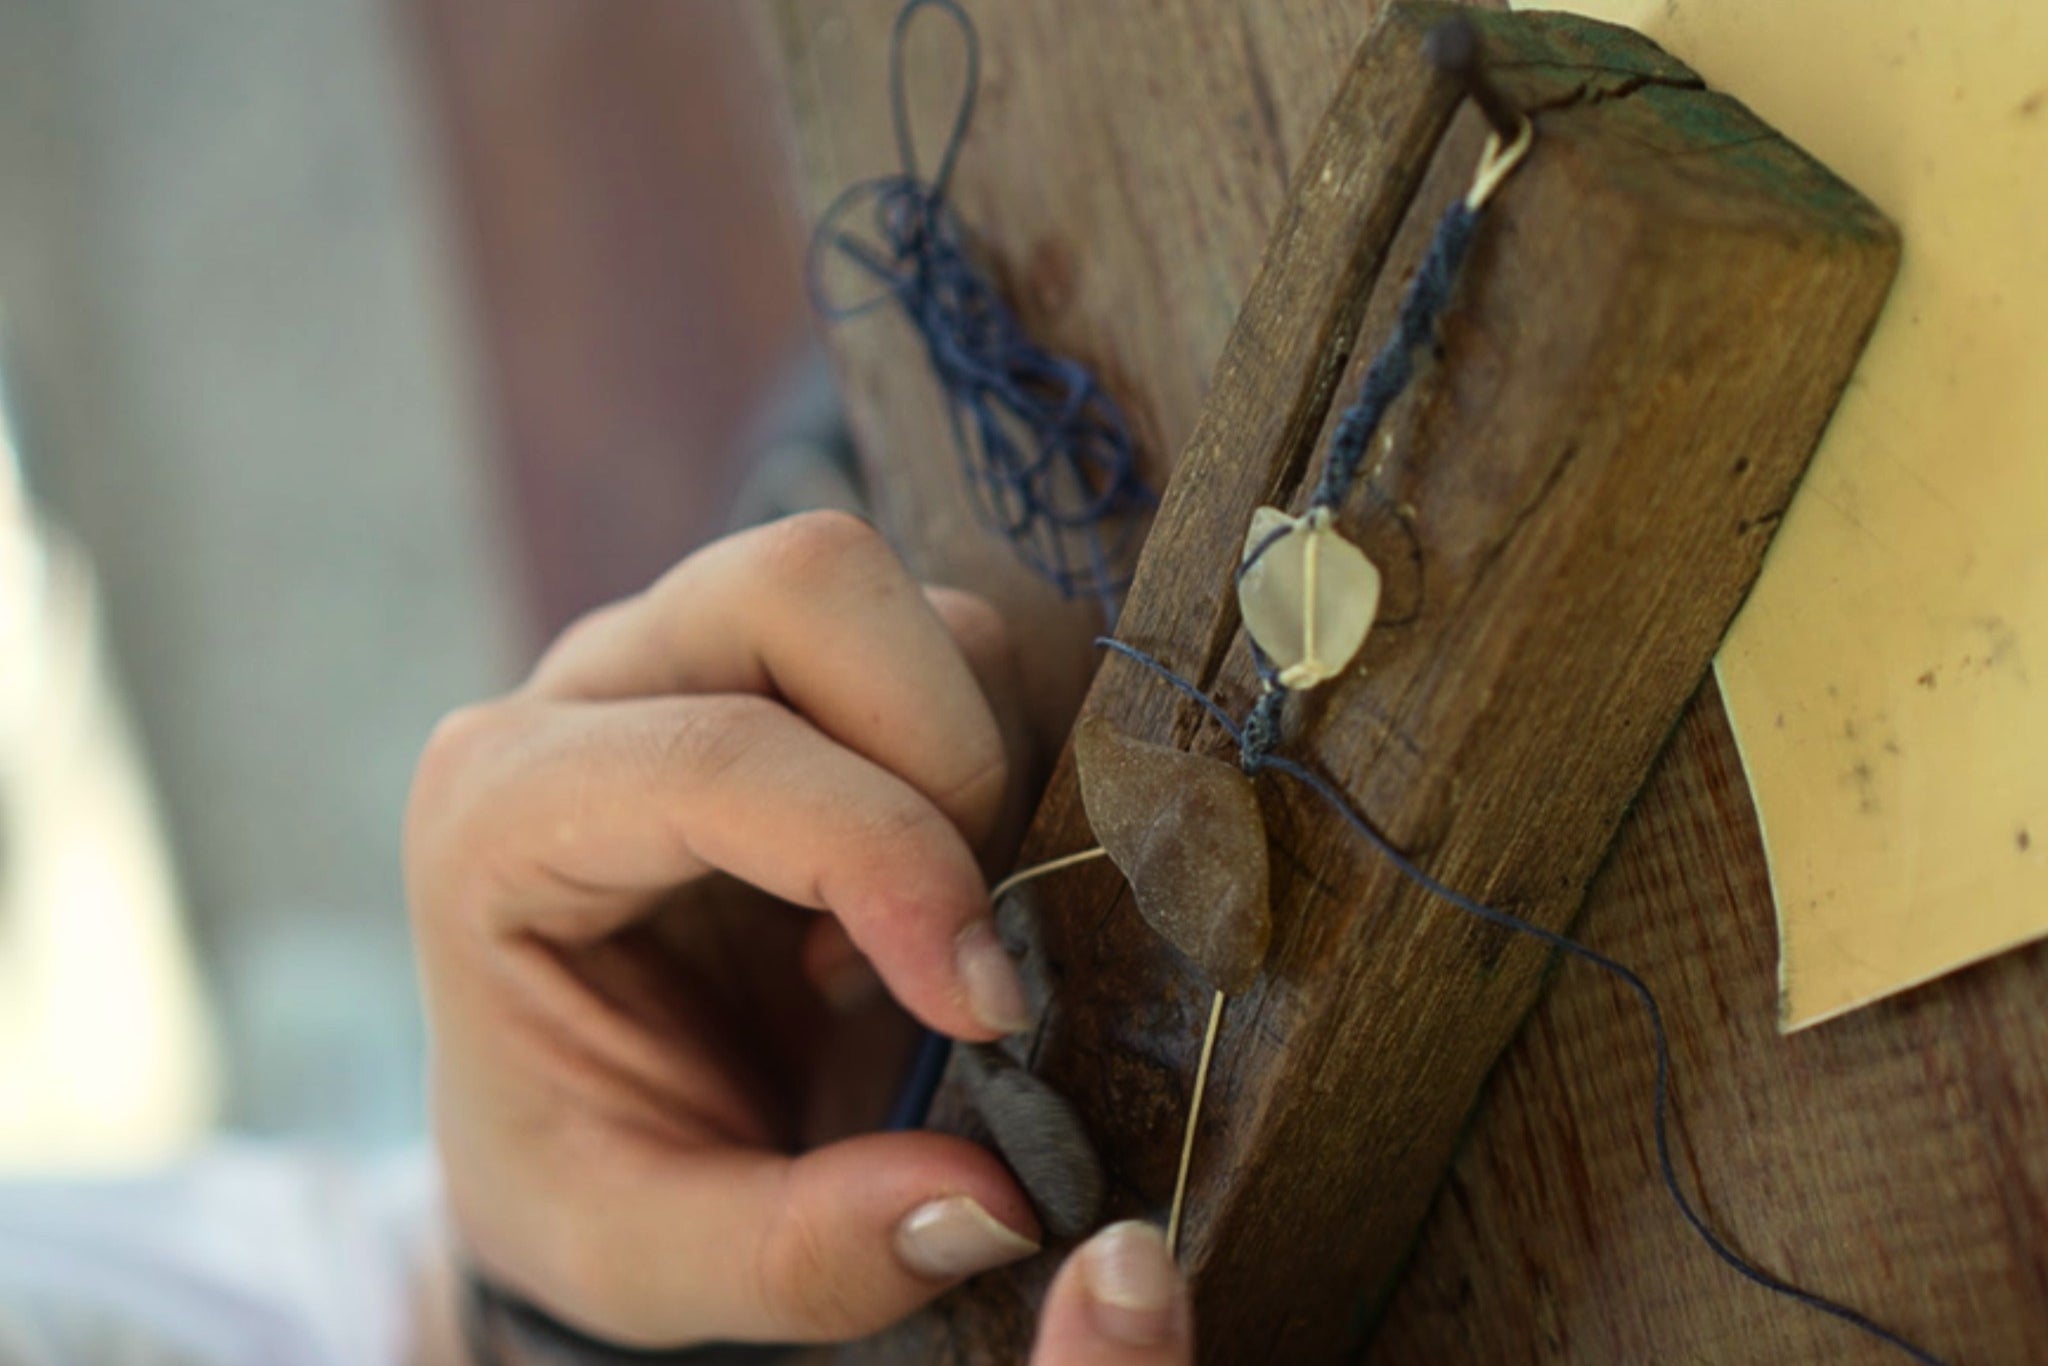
(1186, 831)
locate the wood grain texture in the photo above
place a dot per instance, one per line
(1581, 489)
(1892, 1159)
(1553, 1242)
(1124, 167)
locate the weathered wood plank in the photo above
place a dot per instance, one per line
(1583, 490)
(1891, 1159)
(1125, 165)
(1554, 1243)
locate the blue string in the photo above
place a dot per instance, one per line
(1429, 293)
(1047, 455)
(913, 1101)
(1267, 762)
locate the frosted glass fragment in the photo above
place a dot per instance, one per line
(1309, 596)
(1187, 834)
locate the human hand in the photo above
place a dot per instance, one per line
(614, 875)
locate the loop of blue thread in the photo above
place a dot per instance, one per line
(1263, 760)
(1046, 452)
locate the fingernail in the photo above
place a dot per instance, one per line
(954, 1237)
(1135, 1294)
(995, 994)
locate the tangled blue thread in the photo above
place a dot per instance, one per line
(1046, 452)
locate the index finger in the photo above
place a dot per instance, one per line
(818, 611)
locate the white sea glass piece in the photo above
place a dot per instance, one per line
(1309, 596)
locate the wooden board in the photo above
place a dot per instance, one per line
(1574, 503)
(1131, 247)
(1893, 1159)
(1097, 126)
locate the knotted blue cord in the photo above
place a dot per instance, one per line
(1047, 455)
(1429, 293)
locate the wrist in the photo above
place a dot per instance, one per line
(499, 1328)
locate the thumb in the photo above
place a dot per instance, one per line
(1119, 1301)
(739, 1245)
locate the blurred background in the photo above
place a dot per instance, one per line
(350, 347)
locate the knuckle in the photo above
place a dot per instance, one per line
(908, 823)
(980, 791)
(451, 860)
(803, 1285)
(439, 807)
(976, 626)
(813, 549)
(461, 744)
(456, 741)
(577, 638)
(711, 736)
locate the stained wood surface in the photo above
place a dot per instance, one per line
(1125, 165)
(1892, 1159)
(1124, 169)
(1564, 594)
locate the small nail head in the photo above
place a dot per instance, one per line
(1452, 45)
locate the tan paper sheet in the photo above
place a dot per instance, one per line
(1886, 678)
